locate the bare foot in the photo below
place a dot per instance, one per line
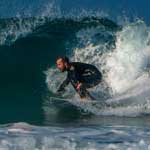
(85, 100)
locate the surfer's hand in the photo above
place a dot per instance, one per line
(78, 86)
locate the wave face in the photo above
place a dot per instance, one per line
(29, 48)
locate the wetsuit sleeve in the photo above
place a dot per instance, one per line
(63, 85)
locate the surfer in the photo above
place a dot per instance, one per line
(81, 75)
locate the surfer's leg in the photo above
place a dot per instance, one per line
(84, 93)
(90, 81)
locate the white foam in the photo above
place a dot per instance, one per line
(125, 63)
(125, 67)
(129, 59)
(78, 138)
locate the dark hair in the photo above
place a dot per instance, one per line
(64, 59)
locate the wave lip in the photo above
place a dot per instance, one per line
(12, 29)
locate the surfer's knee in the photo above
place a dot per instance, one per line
(82, 92)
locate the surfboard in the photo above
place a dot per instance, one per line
(67, 101)
(60, 102)
(95, 107)
(78, 103)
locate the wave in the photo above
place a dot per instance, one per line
(123, 58)
(120, 52)
(16, 28)
(29, 46)
(25, 136)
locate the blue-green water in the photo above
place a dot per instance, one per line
(31, 38)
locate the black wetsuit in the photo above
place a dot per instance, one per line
(86, 74)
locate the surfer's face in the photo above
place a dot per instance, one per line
(61, 65)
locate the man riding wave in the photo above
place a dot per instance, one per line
(81, 75)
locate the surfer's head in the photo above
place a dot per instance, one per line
(62, 63)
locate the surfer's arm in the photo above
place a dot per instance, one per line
(63, 85)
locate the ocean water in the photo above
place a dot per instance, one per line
(112, 35)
